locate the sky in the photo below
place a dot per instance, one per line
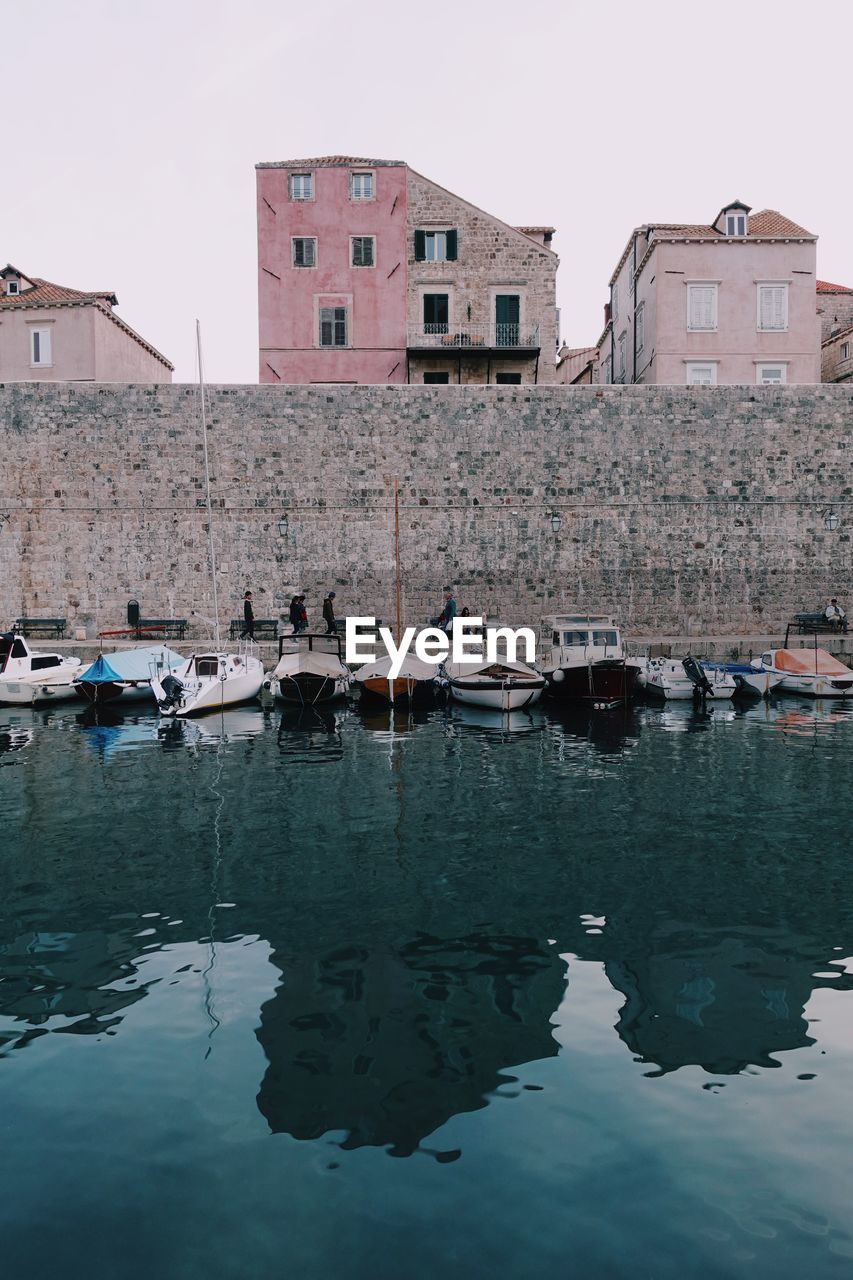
(133, 130)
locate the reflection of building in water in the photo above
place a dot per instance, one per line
(389, 1045)
(717, 999)
(46, 975)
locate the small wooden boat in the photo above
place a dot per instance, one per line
(500, 686)
(31, 677)
(125, 674)
(310, 670)
(414, 683)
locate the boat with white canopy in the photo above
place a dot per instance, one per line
(310, 670)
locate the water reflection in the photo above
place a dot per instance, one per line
(485, 723)
(388, 1045)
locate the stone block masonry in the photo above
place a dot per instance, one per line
(683, 510)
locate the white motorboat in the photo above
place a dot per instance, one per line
(749, 683)
(125, 674)
(583, 659)
(500, 685)
(208, 682)
(668, 678)
(812, 672)
(31, 677)
(310, 670)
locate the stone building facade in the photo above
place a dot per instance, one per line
(670, 516)
(51, 333)
(835, 308)
(370, 273)
(837, 356)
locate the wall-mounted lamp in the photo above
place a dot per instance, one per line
(831, 520)
(556, 521)
(283, 526)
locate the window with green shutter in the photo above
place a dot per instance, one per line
(420, 246)
(362, 251)
(333, 326)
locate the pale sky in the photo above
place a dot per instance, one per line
(131, 132)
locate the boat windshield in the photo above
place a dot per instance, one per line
(608, 638)
(573, 638)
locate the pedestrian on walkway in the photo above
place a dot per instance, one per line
(248, 618)
(329, 614)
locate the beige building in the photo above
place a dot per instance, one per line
(836, 356)
(577, 366)
(732, 301)
(50, 333)
(835, 309)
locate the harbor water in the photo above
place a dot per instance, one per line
(452, 994)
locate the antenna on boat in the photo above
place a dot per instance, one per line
(207, 485)
(397, 551)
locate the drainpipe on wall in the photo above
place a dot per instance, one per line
(634, 325)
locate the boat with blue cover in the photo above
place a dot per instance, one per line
(126, 674)
(749, 683)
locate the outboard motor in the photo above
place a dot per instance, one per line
(173, 690)
(694, 672)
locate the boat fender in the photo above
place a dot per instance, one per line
(559, 676)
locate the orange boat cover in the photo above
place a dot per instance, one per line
(809, 662)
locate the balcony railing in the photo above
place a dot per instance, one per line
(452, 337)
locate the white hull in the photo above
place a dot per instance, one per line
(236, 679)
(287, 690)
(667, 679)
(761, 684)
(810, 673)
(812, 687)
(33, 692)
(499, 698)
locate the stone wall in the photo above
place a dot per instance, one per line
(835, 311)
(682, 509)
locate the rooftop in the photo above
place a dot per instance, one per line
(331, 162)
(824, 286)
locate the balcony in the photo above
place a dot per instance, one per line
(472, 340)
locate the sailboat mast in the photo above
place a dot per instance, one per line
(397, 551)
(207, 486)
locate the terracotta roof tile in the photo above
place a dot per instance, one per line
(46, 291)
(769, 222)
(824, 286)
(329, 162)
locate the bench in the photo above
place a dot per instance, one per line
(265, 628)
(810, 622)
(53, 627)
(161, 628)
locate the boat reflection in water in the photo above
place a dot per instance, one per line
(312, 735)
(610, 732)
(485, 722)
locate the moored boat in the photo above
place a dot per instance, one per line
(813, 672)
(583, 659)
(415, 681)
(208, 682)
(125, 674)
(749, 683)
(500, 685)
(678, 680)
(310, 670)
(32, 677)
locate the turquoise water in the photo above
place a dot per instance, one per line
(453, 995)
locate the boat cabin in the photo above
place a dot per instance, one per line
(16, 657)
(587, 635)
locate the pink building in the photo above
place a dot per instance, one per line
(49, 333)
(731, 301)
(370, 273)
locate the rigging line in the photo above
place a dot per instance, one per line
(215, 1022)
(207, 482)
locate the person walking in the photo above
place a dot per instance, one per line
(295, 614)
(303, 616)
(448, 613)
(248, 618)
(329, 614)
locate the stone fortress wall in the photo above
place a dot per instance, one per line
(695, 509)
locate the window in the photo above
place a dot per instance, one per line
(614, 302)
(702, 375)
(361, 186)
(302, 186)
(605, 371)
(770, 374)
(439, 379)
(773, 306)
(623, 342)
(639, 336)
(735, 224)
(304, 251)
(508, 379)
(40, 347)
(845, 351)
(507, 319)
(701, 306)
(333, 326)
(362, 251)
(436, 312)
(436, 246)
(12, 286)
(608, 638)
